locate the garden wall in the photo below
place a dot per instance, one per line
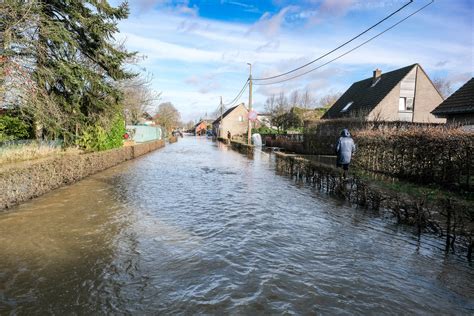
(241, 147)
(287, 144)
(26, 180)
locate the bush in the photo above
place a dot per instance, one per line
(422, 155)
(263, 130)
(12, 128)
(97, 138)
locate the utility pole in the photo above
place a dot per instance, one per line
(220, 123)
(250, 105)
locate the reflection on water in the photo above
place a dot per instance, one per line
(198, 228)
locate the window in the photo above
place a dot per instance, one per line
(405, 104)
(241, 118)
(346, 108)
(409, 104)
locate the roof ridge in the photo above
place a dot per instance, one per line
(390, 72)
(365, 96)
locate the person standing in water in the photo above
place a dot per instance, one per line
(344, 149)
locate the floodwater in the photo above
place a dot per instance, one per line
(196, 228)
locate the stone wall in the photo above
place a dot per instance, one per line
(223, 140)
(241, 147)
(26, 180)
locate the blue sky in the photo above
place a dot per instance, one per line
(199, 50)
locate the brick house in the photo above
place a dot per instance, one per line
(459, 106)
(405, 94)
(201, 127)
(234, 120)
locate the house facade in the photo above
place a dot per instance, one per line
(264, 119)
(458, 108)
(234, 120)
(406, 94)
(201, 127)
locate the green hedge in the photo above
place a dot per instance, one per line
(97, 138)
(421, 155)
(13, 128)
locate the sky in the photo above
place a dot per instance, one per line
(197, 51)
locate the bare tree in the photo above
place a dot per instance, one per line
(189, 125)
(443, 85)
(295, 98)
(167, 116)
(139, 97)
(276, 106)
(307, 100)
(326, 101)
(282, 103)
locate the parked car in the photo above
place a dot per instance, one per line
(210, 133)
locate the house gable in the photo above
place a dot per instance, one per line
(427, 98)
(365, 95)
(389, 109)
(405, 94)
(234, 120)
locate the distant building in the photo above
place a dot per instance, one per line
(459, 106)
(147, 119)
(264, 119)
(234, 120)
(405, 94)
(201, 127)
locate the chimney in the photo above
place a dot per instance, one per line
(377, 74)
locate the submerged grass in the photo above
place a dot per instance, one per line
(432, 192)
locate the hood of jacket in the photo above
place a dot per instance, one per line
(345, 133)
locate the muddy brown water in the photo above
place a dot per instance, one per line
(196, 228)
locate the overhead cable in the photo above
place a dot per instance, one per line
(238, 95)
(339, 47)
(349, 51)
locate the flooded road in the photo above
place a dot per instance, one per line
(198, 228)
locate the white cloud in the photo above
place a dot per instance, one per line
(270, 25)
(196, 60)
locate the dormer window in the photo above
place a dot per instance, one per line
(346, 107)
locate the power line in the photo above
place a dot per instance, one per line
(340, 46)
(231, 103)
(349, 51)
(238, 95)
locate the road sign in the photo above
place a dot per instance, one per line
(253, 115)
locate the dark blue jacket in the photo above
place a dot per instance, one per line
(345, 148)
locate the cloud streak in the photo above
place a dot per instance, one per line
(195, 60)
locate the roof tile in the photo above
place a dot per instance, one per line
(460, 102)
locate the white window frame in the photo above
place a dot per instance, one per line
(402, 104)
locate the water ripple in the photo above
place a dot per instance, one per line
(195, 228)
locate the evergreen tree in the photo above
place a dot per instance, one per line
(67, 48)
